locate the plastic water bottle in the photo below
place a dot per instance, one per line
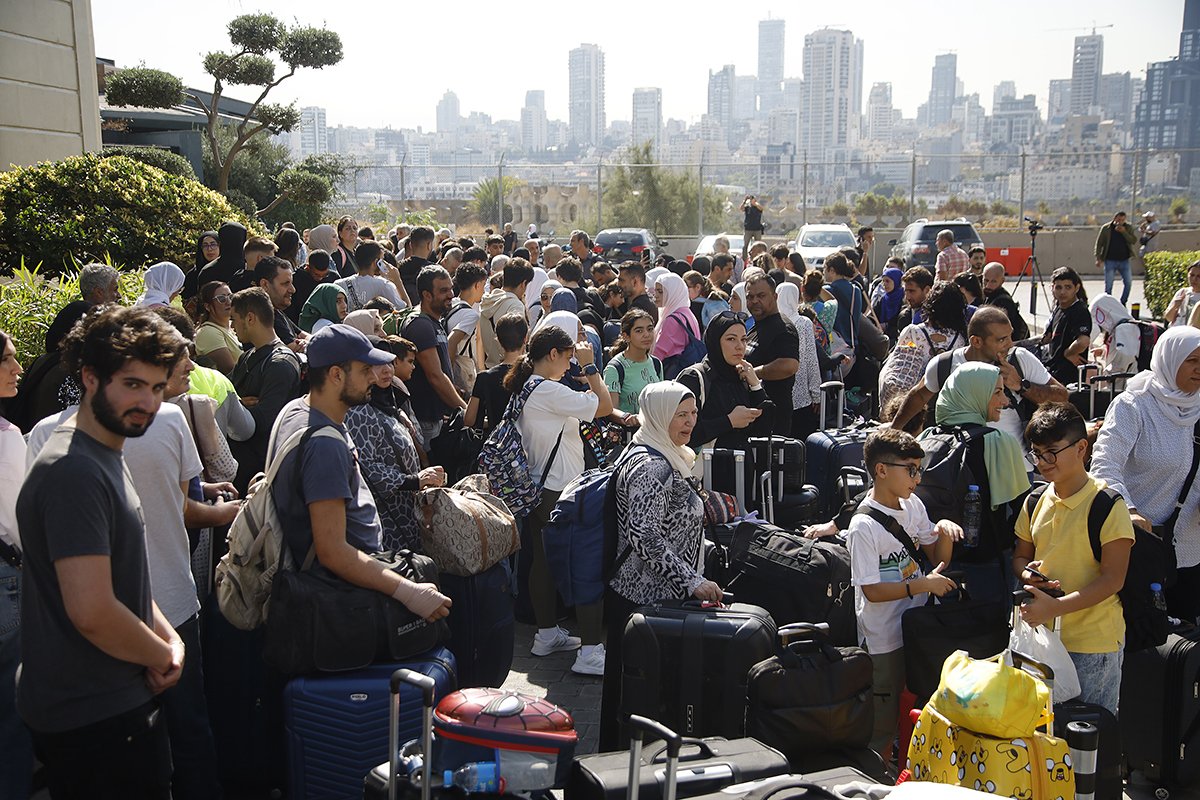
(972, 516)
(521, 772)
(1160, 599)
(480, 776)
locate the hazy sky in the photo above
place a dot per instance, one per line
(401, 56)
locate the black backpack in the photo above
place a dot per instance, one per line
(947, 469)
(1150, 561)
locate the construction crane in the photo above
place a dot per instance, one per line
(1094, 28)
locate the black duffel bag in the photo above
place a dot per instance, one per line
(810, 696)
(794, 578)
(317, 622)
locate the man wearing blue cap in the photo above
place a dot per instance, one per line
(329, 505)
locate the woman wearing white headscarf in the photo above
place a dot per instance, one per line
(163, 282)
(1122, 343)
(675, 319)
(1145, 449)
(570, 322)
(660, 528)
(806, 391)
(366, 320)
(653, 274)
(323, 237)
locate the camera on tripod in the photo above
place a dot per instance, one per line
(1034, 225)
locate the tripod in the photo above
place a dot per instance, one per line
(1032, 267)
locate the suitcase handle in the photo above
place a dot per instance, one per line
(659, 753)
(806, 630)
(427, 686)
(786, 782)
(639, 727)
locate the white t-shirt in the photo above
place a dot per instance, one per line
(552, 408)
(161, 459)
(1189, 300)
(362, 289)
(465, 319)
(1010, 421)
(877, 557)
(12, 467)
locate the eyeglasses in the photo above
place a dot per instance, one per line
(211, 246)
(913, 471)
(1050, 456)
(223, 298)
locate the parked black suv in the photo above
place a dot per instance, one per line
(617, 245)
(918, 244)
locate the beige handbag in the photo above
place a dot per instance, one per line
(464, 528)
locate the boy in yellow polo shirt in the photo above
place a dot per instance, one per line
(1055, 543)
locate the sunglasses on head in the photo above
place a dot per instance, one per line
(736, 316)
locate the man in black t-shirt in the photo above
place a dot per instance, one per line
(489, 398)
(96, 649)
(432, 384)
(752, 223)
(1066, 340)
(315, 272)
(994, 294)
(420, 247)
(773, 347)
(632, 280)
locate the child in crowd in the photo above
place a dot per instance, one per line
(489, 398)
(883, 540)
(631, 367)
(1053, 540)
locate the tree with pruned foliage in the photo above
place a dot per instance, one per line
(257, 40)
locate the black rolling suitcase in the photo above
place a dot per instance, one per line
(811, 696)
(703, 766)
(686, 663)
(795, 579)
(780, 494)
(1109, 782)
(826, 452)
(482, 627)
(1160, 710)
(1085, 394)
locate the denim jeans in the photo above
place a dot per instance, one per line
(16, 746)
(1100, 677)
(1111, 268)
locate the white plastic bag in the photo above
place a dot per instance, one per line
(1044, 645)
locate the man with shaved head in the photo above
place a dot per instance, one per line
(994, 294)
(551, 255)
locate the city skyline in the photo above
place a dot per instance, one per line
(536, 58)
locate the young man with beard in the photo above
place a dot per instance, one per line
(322, 499)
(96, 648)
(773, 348)
(432, 385)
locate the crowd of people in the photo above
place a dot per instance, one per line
(396, 341)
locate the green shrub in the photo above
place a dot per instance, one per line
(29, 301)
(166, 160)
(1165, 273)
(87, 208)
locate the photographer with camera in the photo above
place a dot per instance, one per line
(1114, 248)
(752, 223)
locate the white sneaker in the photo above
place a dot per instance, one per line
(591, 664)
(559, 642)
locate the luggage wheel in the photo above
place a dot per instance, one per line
(1162, 793)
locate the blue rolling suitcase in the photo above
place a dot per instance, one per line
(337, 724)
(482, 627)
(828, 451)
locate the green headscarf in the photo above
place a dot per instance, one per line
(321, 304)
(964, 401)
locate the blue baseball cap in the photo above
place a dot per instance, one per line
(335, 344)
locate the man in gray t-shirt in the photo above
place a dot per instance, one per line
(96, 649)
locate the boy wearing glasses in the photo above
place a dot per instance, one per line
(884, 537)
(1053, 552)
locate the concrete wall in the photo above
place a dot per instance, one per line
(1066, 248)
(49, 108)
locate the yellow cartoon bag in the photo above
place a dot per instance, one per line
(1036, 767)
(990, 697)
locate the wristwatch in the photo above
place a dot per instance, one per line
(1025, 384)
(590, 370)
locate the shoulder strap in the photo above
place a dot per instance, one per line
(189, 400)
(1015, 360)
(1032, 499)
(945, 365)
(619, 363)
(658, 367)
(1102, 506)
(892, 526)
(928, 339)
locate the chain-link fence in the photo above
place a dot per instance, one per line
(995, 190)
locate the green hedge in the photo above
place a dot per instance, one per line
(29, 301)
(1165, 274)
(87, 208)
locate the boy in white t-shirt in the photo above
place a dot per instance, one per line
(884, 570)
